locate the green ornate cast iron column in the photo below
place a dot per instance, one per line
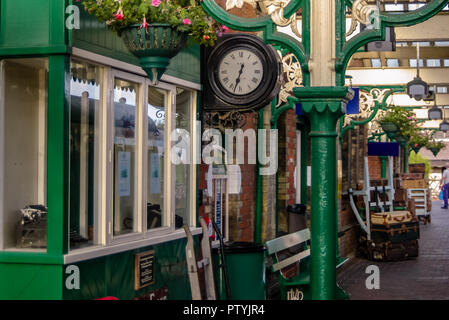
(324, 106)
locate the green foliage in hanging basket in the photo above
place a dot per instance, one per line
(417, 141)
(389, 127)
(182, 15)
(403, 119)
(435, 146)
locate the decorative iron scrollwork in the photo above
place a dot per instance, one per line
(225, 120)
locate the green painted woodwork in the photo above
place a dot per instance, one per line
(58, 154)
(32, 27)
(323, 106)
(19, 281)
(113, 275)
(154, 47)
(93, 36)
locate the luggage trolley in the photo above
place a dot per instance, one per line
(387, 190)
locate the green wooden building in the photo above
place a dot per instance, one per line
(84, 134)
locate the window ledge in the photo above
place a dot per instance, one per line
(101, 251)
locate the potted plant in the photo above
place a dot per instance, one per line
(156, 30)
(435, 146)
(417, 141)
(399, 124)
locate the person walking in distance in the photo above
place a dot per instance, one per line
(445, 186)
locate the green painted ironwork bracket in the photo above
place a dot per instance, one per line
(377, 106)
(345, 49)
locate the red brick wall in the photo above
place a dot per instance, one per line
(375, 168)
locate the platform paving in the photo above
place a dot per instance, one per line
(425, 277)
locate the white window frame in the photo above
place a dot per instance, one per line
(106, 243)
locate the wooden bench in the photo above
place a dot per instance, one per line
(275, 248)
(300, 283)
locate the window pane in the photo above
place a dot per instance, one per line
(433, 63)
(413, 63)
(442, 43)
(393, 63)
(85, 104)
(415, 6)
(157, 104)
(442, 90)
(182, 179)
(125, 108)
(375, 63)
(23, 143)
(394, 7)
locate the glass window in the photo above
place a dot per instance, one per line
(392, 63)
(442, 43)
(421, 44)
(442, 90)
(375, 63)
(394, 7)
(413, 63)
(158, 102)
(182, 175)
(415, 6)
(446, 62)
(401, 44)
(85, 105)
(23, 146)
(126, 95)
(433, 63)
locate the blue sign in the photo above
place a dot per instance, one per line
(299, 109)
(353, 106)
(383, 149)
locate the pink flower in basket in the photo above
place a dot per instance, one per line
(155, 3)
(186, 21)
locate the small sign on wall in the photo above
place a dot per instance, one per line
(144, 269)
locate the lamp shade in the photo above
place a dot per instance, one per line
(444, 126)
(435, 113)
(417, 89)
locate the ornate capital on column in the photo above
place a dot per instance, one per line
(323, 99)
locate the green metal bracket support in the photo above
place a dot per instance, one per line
(377, 106)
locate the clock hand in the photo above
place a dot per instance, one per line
(237, 81)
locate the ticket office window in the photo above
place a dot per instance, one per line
(23, 153)
(124, 186)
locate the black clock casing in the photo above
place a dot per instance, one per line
(218, 98)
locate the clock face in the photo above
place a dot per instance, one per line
(240, 71)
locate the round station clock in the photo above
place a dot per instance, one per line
(243, 72)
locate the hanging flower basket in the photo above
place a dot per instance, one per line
(154, 46)
(435, 151)
(389, 127)
(417, 147)
(401, 139)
